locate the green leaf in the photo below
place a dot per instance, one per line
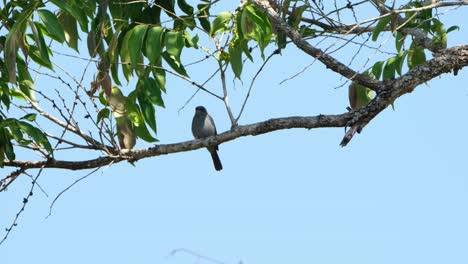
(102, 98)
(27, 87)
(295, 18)
(452, 28)
(7, 146)
(255, 25)
(154, 43)
(220, 23)
(36, 134)
(416, 56)
(132, 110)
(75, 11)
(135, 43)
(41, 55)
(399, 40)
(35, 32)
(377, 69)
(104, 113)
(69, 25)
(12, 42)
(440, 38)
(115, 69)
(189, 41)
(174, 42)
(160, 77)
(147, 109)
(400, 60)
(152, 91)
(125, 56)
(359, 95)
(389, 69)
(53, 26)
(23, 72)
(11, 47)
(235, 58)
(37, 56)
(203, 14)
(174, 64)
(186, 8)
(143, 133)
(30, 117)
(383, 22)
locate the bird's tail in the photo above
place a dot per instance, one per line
(216, 161)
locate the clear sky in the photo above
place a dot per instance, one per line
(397, 194)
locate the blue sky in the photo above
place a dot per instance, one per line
(396, 194)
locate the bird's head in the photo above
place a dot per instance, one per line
(200, 109)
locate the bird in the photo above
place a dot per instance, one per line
(203, 126)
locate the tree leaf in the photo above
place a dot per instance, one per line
(75, 11)
(27, 87)
(400, 58)
(30, 117)
(41, 55)
(135, 43)
(202, 15)
(383, 22)
(37, 56)
(377, 69)
(174, 42)
(36, 134)
(147, 109)
(125, 56)
(103, 113)
(452, 28)
(185, 7)
(416, 56)
(174, 64)
(11, 47)
(53, 26)
(154, 44)
(389, 69)
(358, 95)
(191, 41)
(220, 23)
(143, 133)
(235, 58)
(159, 76)
(6, 147)
(152, 91)
(295, 18)
(440, 35)
(69, 25)
(399, 40)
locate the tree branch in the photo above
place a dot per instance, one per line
(450, 60)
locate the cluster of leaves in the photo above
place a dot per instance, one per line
(129, 39)
(11, 128)
(414, 55)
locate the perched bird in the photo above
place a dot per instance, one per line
(203, 126)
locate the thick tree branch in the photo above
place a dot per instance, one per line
(449, 60)
(302, 44)
(158, 150)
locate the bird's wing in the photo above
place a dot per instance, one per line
(212, 123)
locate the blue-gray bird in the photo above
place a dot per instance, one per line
(203, 126)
